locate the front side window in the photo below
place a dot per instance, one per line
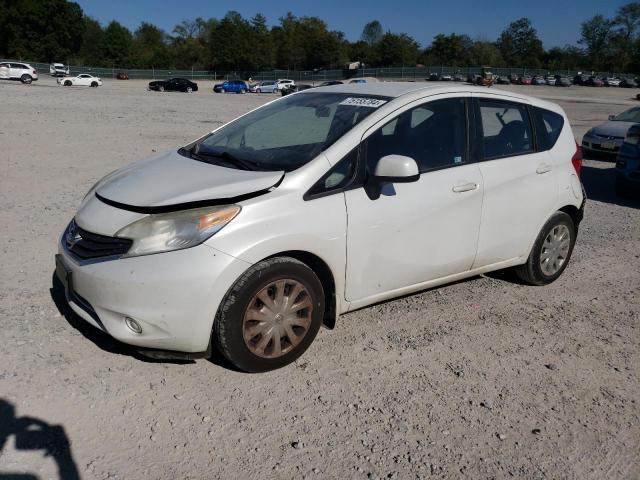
(506, 130)
(433, 134)
(286, 134)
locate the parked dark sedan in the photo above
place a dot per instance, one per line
(581, 79)
(174, 85)
(628, 83)
(594, 82)
(503, 80)
(628, 164)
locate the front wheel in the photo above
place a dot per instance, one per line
(26, 79)
(161, 88)
(94, 84)
(551, 251)
(270, 315)
(189, 89)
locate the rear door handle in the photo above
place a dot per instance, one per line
(465, 187)
(543, 168)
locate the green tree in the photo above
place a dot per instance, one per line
(395, 50)
(519, 44)
(115, 48)
(262, 52)
(229, 42)
(149, 48)
(45, 30)
(372, 33)
(485, 53)
(449, 50)
(89, 53)
(596, 38)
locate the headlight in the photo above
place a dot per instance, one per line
(165, 232)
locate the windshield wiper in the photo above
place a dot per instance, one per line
(226, 157)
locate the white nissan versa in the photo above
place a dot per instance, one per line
(316, 204)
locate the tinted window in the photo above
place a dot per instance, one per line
(548, 128)
(337, 177)
(433, 134)
(506, 130)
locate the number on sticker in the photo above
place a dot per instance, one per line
(363, 102)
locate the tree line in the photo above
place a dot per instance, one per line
(58, 30)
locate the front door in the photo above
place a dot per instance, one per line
(420, 231)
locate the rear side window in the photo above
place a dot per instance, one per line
(548, 128)
(506, 129)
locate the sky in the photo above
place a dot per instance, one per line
(557, 22)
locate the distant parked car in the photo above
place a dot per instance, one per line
(330, 83)
(458, 77)
(363, 80)
(83, 80)
(446, 78)
(232, 86)
(266, 86)
(551, 80)
(174, 85)
(513, 78)
(122, 76)
(562, 81)
(473, 78)
(503, 80)
(538, 80)
(18, 71)
(628, 164)
(58, 70)
(628, 83)
(594, 82)
(287, 89)
(525, 80)
(611, 82)
(608, 136)
(434, 77)
(284, 83)
(581, 79)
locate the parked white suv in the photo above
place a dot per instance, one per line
(18, 71)
(58, 70)
(285, 83)
(316, 204)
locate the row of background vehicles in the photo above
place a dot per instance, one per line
(525, 79)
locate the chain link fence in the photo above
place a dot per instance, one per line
(312, 76)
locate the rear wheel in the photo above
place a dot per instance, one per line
(189, 89)
(551, 251)
(161, 88)
(67, 83)
(26, 79)
(270, 316)
(94, 84)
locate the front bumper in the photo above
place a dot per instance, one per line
(173, 296)
(602, 145)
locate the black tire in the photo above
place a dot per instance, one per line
(189, 89)
(531, 272)
(67, 83)
(26, 79)
(228, 324)
(94, 84)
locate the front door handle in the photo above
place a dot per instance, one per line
(543, 168)
(465, 187)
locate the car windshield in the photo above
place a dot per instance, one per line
(285, 134)
(631, 115)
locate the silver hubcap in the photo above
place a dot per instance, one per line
(555, 249)
(277, 318)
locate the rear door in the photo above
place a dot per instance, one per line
(520, 187)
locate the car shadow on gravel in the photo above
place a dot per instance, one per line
(109, 344)
(599, 185)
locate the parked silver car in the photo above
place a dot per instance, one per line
(608, 136)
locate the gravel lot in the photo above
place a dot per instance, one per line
(485, 378)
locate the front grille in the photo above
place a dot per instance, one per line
(86, 245)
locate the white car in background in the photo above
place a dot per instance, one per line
(18, 71)
(285, 83)
(58, 70)
(84, 79)
(316, 204)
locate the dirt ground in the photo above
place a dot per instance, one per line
(485, 378)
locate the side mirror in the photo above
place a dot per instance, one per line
(611, 117)
(396, 169)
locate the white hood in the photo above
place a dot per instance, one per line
(170, 179)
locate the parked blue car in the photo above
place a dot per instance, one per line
(628, 164)
(233, 86)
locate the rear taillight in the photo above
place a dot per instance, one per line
(576, 160)
(35, 72)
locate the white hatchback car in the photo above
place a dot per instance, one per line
(84, 80)
(316, 204)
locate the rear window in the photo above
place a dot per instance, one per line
(548, 129)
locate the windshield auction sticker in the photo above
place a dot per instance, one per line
(363, 102)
